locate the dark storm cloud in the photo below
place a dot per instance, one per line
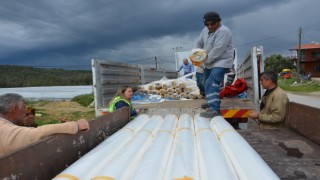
(72, 32)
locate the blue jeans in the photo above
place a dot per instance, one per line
(213, 78)
(200, 82)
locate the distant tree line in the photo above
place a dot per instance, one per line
(277, 63)
(25, 76)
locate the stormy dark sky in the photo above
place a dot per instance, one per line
(69, 33)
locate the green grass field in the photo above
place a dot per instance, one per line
(291, 85)
(52, 112)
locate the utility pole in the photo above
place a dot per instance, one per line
(155, 58)
(299, 51)
(176, 49)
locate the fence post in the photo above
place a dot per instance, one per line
(143, 80)
(97, 87)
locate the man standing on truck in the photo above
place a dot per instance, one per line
(14, 137)
(216, 40)
(187, 68)
(273, 105)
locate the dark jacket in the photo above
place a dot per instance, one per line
(118, 103)
(122, 104)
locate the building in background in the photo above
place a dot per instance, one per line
(310, 58)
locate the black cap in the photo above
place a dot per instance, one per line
(211, 17)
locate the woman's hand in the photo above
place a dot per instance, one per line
(138, 110)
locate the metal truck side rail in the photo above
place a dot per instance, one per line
(48, 157)
(249, 69)
(108, 76)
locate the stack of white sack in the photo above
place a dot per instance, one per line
(174, 89)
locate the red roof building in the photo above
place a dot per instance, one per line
(310, 58)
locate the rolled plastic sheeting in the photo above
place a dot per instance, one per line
(213, 162)
(246, 161)
(153, 163)
(183, 162)
(98, 157)
(124, 164)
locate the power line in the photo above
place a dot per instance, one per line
(276, 36)
(168, 61)
(318, 23)
(149, 58)
(269, 51)
(140, 60)
(268, 38)
(165, 56)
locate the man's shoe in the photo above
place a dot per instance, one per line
(204, 105)
(209, 114)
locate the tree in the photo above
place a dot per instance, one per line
(24, 76)
(277, 63)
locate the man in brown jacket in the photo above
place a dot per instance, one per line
(273, 105)
(14, 137)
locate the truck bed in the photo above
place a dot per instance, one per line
(226, 103)
(230, 107)
(290, 155)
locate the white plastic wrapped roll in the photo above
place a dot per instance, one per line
(183, 162)
(104, 152)
(155, 98)
(124, 164)
(246, 161)
(213, 162)
(154, 162)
